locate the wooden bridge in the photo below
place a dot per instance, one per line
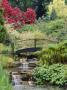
(31, 45)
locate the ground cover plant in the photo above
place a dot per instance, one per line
(4, 80)
(55, 74)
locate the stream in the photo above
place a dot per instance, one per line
(19, 84)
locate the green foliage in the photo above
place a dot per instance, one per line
(45, 5)
(4, 80)
(1, 19)
(54, 53)
(2, 29)
(66, 2)
(22, 4)
(53, 15)
(2, 33)
(5, 58)
(26, 28)
(51, 25)
(60, 8)
(56, 29)
(55, 74)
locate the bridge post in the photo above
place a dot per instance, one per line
(12, 47)
(35, 45)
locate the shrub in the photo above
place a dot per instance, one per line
(59, 7)
(1, 17)
(55, 74)
(16, 16)
(54, 53)
(2, 29)
(2, 33)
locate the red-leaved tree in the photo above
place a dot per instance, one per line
(16, 16)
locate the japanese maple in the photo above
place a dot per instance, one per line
(16, 16)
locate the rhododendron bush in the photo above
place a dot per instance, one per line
(16, 16)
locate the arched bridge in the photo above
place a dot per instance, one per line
(30, 45)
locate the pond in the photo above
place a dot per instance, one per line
(27, 87)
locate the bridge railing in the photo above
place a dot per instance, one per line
(29, 43)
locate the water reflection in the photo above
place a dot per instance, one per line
(26, 87)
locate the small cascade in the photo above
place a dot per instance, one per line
(24, 65)
(22, 74)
